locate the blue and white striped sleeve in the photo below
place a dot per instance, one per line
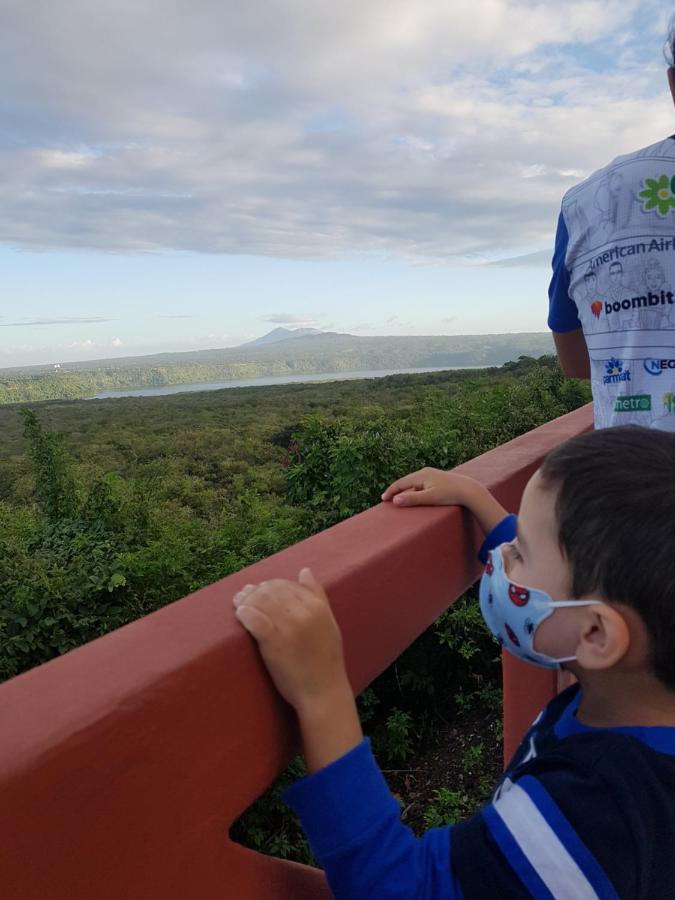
(563, 314)
(542, 847)
(551, 837)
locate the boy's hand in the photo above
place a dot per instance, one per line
(434, 487)
(430, 487)
(299, 639)
(301, 645)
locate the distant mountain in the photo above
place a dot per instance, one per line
(306, 354)
(282, 334)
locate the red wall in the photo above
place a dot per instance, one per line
(124, 763)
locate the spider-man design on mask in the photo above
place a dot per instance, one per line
(511, 634)
(518, 595)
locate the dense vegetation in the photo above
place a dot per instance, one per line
(297, 356)
(110, 509)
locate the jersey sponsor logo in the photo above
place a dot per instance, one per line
(615, 253)
(633, 403)
(669, 402)
(658, 366)
(614, 372)
(642, 301)
(658, 194)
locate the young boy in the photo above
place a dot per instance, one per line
(586, 809)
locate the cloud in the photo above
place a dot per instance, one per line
(429, 131)
(74, 320)
(530, 260)
(116, 342)
(175, 317)
(282, 318)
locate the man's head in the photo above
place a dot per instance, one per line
(670, 56)
(597, 521)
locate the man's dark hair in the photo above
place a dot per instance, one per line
(670, 44)
(616, 264)
(616, 525)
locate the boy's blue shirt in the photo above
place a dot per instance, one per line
(580, 813)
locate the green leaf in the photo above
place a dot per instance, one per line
(116, 580)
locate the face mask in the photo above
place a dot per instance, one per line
(514, 613)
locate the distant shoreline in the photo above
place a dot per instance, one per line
(270, 380)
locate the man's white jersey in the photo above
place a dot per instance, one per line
(614, 276)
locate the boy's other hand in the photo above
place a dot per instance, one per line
(429, 487)
(299, 639)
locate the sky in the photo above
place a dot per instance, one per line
(189, 174)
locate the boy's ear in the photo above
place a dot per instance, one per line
(604, 638)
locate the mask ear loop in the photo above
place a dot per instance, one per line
(558, 604)
(569, 603)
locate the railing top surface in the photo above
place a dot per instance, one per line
(175, 714)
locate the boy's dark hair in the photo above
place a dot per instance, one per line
(616, 525)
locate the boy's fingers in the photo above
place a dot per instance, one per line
(307, 580)
(255, 622)
(412, 498)
(284, 602)
(245, 592)
(414, 481)
(281, 601)
(263, 597)
(276, 588)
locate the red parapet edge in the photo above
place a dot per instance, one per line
(124, 763)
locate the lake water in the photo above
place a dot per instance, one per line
(272, 379)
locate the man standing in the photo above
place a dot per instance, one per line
(612, 311)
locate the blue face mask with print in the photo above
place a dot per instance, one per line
(513, 613)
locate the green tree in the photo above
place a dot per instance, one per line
(54, 483)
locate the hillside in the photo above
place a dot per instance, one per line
(311, 354)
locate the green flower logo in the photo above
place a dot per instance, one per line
(658, 194)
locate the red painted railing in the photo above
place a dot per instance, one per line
(124, 763)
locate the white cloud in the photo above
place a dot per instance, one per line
(61, 159)
(430, 131)
(116, 342)
(63, 320)
(282, 318)
(528, 260)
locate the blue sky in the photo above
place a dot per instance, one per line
(186, 175)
